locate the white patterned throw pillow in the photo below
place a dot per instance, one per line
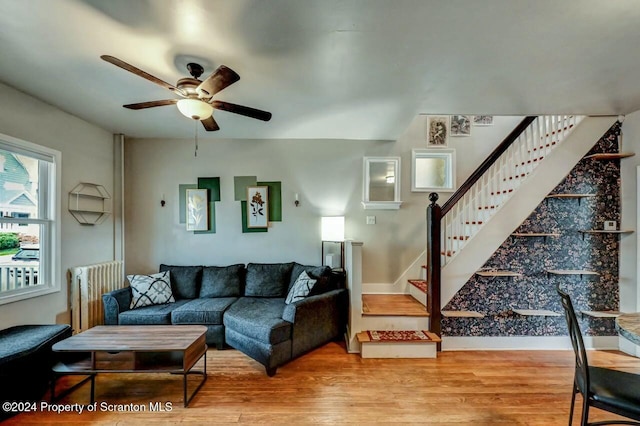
(301, 288)
(150, 290)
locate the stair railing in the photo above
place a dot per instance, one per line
(450, 226)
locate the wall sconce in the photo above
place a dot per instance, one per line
(332, 235)
(296, 202)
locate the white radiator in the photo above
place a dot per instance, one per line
(88, 284)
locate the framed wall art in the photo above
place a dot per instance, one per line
(460, 125)
(197, 210)
(257, 206)
(437, 131)
(483, 120)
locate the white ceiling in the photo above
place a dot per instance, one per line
(348, 69)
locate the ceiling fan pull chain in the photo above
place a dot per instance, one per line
(195, 153)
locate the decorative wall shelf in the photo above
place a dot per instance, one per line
(578, 196)
(610, 155)
(89, 203)
(462, 314)
(498, 274)
(536, 313)
(601, 314)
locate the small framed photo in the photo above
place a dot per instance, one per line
(483, 120)
(437, 131)
(197, 210)
(460, 125)
(610, 225)
(257, 206)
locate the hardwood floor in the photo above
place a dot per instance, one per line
(330, 386)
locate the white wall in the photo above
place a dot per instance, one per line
(629, 264)
(87, 156)
(327, 175)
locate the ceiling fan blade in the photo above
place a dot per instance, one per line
(218, 80)
(210, 124)
(151, 104)
(137, 71)
(242, 110)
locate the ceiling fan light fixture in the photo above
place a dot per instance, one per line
(195, 109)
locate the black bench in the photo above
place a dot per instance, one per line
(26, 360)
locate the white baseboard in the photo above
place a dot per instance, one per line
(628, 347)
(501, 343)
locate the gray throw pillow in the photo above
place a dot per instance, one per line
(185, 280)
(321, 272)
(301, 288)
(267, 279)
(150, 290)
(222, 281)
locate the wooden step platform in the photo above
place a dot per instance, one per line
(419, 284)
(392, 305)
(370, 347)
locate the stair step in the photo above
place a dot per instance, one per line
(392, 305)
(518, 176)
(393, 336)
(524, 163)
(419, 284)
(506, 191)
(544, 146)
(400, 348)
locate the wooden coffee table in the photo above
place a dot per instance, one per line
(135, 349)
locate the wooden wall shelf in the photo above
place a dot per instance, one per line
(570, 272)
(535, 234)
(601, 314)
(602, 231)
(578, 196)
(498, 274)
(610, 155)
(536, 313)
(462, 314)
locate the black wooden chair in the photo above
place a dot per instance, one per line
(610, 390)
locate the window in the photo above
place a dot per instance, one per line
(29, 223)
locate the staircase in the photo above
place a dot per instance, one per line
(474, 222)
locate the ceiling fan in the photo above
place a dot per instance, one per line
(197, 102)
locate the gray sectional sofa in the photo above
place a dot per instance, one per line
(244, 307)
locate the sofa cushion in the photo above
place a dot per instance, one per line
(321, 273)
(202, 311)
(147, 290)
(259, 318)
(185, 280)
(301, 289)
(267, 279)
(150, 315)
(222, 281)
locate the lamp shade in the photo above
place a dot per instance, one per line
(195, 109)
(332, 228)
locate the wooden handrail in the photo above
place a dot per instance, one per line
(488, 162)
